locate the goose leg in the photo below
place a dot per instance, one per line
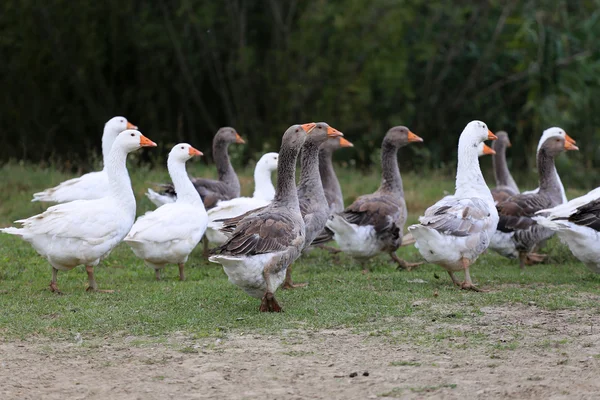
(93, 286)
(53, 286)
(181, 274)
(268, 302)
(455, 281)
(522, 261)
(331, 249)
(468, 283)
(404, 264)
(288, 283)
(534, 258)
(157, 273)
(206, 250)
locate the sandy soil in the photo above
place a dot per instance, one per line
(557, 356)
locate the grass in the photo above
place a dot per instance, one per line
(420, 306)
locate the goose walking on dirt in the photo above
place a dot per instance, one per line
(266, 242)
(92, 185)
(168, 234)
(454, 232)
(83, 232)
(373, 223)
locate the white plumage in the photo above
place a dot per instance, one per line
(264, 191)
(168, 234)
(93, 185)
(84, 232)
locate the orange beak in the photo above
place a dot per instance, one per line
(145, 142)
(487, 150)
(345, 143)
(569, 139)
(238, 139)
(131, 126)
(414, 138)
(491, 136)
(194, 152)
(508, 144)
(332, 132)
(308, 127)
(570, 146)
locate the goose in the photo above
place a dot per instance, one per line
(482, 150)
(84, 232)
(505, 184)
(577, 223)
(168, 234)
(212, 191)
(517, 232)
(331, 186)
(93, 185)
(551, 132)
(454, 232)
(266, 242)
(373, 223)
(264, 191)
(311, 194)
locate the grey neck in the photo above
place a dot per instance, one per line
(224, 168)
(331, 185)
(501, 172)
(391, 181)
(285, 193)
(549, 183)
(310, 179)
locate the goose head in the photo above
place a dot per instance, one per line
(399, 136)
(116, 125)
(182, 152)
(228, 135)
(131, 140)
(555, 132)
(321, 132)
(268, 161)
(474, 133)
(332, 144)
(554, 145)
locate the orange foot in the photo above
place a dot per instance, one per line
(470, 286)
(269, 304)
(291, 285)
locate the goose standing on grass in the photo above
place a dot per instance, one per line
(331, 186)
(505, 184)
(83, 232)
(311, 195)
(518, 233)
(552, 132)
(266, 242)
(454, 232)
(212, 191)
(168, 234)
(264, 191)
(93, 185)
(577, 223)
(373, 223)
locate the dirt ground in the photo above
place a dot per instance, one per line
(557, 356)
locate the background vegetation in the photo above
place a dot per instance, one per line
(180, 69)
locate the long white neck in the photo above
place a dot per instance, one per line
(263, 186)
(118, 179)
(108, 138)
(186, 192)
(469, 179)
(562, 188)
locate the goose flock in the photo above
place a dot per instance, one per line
(257, 239)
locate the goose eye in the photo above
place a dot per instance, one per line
(181, 147)
(133, 134)
(297, 130)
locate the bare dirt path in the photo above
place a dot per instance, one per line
(523, 353)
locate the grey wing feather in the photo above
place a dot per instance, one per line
(457, 217)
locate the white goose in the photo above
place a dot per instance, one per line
(84, 232)
(577, 223)
(93, 185)
(264, 191)
(453, 233)
(550, 132)
(168, 234)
